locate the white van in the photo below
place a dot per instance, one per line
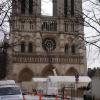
(10, 91)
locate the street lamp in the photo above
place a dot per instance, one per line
(76, 83)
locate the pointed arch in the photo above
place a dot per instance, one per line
(73, 49)
(30, 6)
(54, 7)
(48, 71)
(23, 46)
(25, 75)
(66, 48)
(71, 72)
(69, 7)
(65, 7)
(30, 47)
(72, 7)
(23, 6)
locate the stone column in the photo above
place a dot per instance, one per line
(55, 8)
(62, 43)
(38, 42)
(78, 7)
(38, 7)
(60, 25)
(60, 8)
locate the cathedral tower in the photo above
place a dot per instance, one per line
(44, 43)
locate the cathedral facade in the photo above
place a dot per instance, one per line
(43, 45)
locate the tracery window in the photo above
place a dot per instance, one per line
(65, 7)
(22, 25)
(68, 7)
(72, 27)
(66, 48)
(23, 6)
(22, 47)
(73, 51)
(30, 47)
(72, 7)
(66, 27)
(31, 26)
(30, 6)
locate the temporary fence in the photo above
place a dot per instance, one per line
(39, 97)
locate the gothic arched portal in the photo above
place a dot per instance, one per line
(71, 72)
(25, 75)
(49, 70)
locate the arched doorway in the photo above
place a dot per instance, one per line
(49, 70)
(25, 75)
(71, 72)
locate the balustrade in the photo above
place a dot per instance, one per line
(43, 58)
(49, 24)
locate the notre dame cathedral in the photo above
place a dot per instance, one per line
(44, 43)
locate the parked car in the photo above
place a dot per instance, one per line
(10, 91)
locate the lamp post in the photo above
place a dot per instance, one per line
(76, 83)
(63, 93)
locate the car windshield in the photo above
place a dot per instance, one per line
(10, 91)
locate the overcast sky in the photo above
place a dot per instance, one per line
(46, 7)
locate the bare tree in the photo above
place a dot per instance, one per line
(91, 13)
(5, 9)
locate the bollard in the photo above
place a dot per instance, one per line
(24, 97)
(56, 97)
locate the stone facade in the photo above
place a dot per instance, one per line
(43, 43)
